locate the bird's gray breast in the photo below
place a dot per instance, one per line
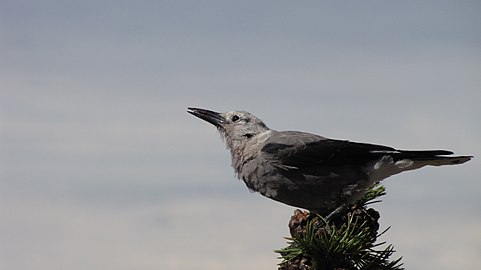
(260, 176)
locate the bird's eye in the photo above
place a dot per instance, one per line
(235, 118)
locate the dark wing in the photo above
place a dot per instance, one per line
(298, 149)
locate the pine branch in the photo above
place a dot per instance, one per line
(346, 241)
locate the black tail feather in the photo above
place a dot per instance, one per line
(431, 157)
(424, 153)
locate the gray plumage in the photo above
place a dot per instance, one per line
(307, 170)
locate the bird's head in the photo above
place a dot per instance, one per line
(235, 127)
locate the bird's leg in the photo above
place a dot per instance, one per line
(324, 220)
(335, 212)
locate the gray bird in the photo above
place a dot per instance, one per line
(310, 171)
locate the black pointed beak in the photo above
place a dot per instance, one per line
(214, 118)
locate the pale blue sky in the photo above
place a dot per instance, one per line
(102, 168)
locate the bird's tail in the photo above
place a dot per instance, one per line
(401, 160)
(433, 158)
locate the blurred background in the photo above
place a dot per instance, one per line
(102, 168)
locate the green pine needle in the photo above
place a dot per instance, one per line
(372, 194)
